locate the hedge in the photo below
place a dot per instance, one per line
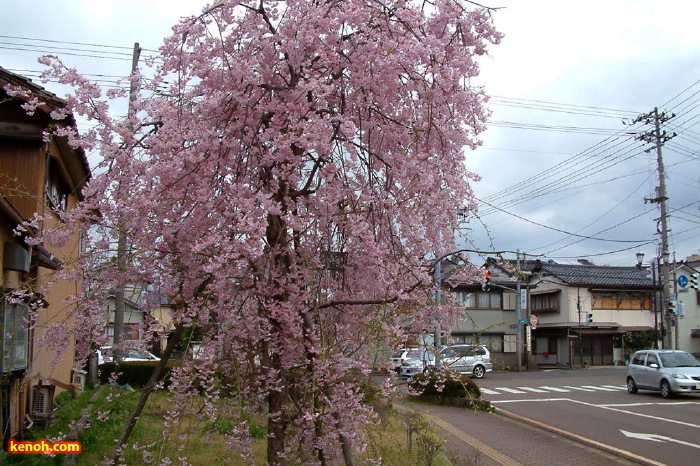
(134, 373)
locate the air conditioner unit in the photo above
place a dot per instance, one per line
(79, 379)
(42, 404)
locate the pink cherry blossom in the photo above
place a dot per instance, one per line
(286, 173)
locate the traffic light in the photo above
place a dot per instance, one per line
(694, 280)
(672, 307)
(589, 317)
(487, 281)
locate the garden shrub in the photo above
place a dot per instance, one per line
(444, 384)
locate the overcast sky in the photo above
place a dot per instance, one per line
(561, 178)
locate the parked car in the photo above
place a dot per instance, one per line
(467, 359)
(402, 355)
(104, 354)
(667, 371)
(411, 367)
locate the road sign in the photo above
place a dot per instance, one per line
(534, 320)
(683, 281)
(523, 321)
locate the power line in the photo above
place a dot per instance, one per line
(557, 229)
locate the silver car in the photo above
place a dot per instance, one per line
(411, 367)
(467, 359)
(403, 355)
(667, 371)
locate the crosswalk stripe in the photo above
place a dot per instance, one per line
(546, 388)
(509, 390)
(580, 388)
(605, 389)
(555, 389)
(530, 389)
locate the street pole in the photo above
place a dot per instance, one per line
(119, 298)
(676, 329)
(654, 303)
(664, 222)
(519, 311)
(438, 280)
(659, 137)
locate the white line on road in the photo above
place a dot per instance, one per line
(530, 389)
(601, 406)
(509, 390)
(523, 401)
(489, 392)
(555, 389)
(580, 388)
(605, 389)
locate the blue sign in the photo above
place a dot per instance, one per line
(683, 281)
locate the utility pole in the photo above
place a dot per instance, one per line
(519, 338)
(119, 298)
(659, 137)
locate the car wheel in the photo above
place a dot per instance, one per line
(666, 390)
(479, 372)
(631, 386)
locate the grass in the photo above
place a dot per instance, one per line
(194, 435)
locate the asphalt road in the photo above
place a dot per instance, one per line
(562, 416)
(593, 405)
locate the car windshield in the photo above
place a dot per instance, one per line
(678, 360)
(398, 353)
(412, 354)
(138, 355)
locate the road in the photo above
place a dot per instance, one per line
(593, 404)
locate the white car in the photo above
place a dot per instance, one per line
(104, 354)
(402, 355)
(418, 365)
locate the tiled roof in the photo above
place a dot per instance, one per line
(598, 275)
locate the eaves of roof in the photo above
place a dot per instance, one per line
(79, 167)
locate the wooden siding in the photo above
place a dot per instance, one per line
(22, 176)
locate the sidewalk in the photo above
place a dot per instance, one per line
(485, 439)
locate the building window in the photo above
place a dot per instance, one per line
(479, 299)
(543, 303)
(15, 336)
(56, 187)
(622, 301)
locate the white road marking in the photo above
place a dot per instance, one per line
(555, 389)
(546, 389)
(657, 438)
(509, 390)
(530, 389)
(605, 389)
(489, 392)
(601, 406)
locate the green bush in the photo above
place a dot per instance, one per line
(444, 384)
(136, 373)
